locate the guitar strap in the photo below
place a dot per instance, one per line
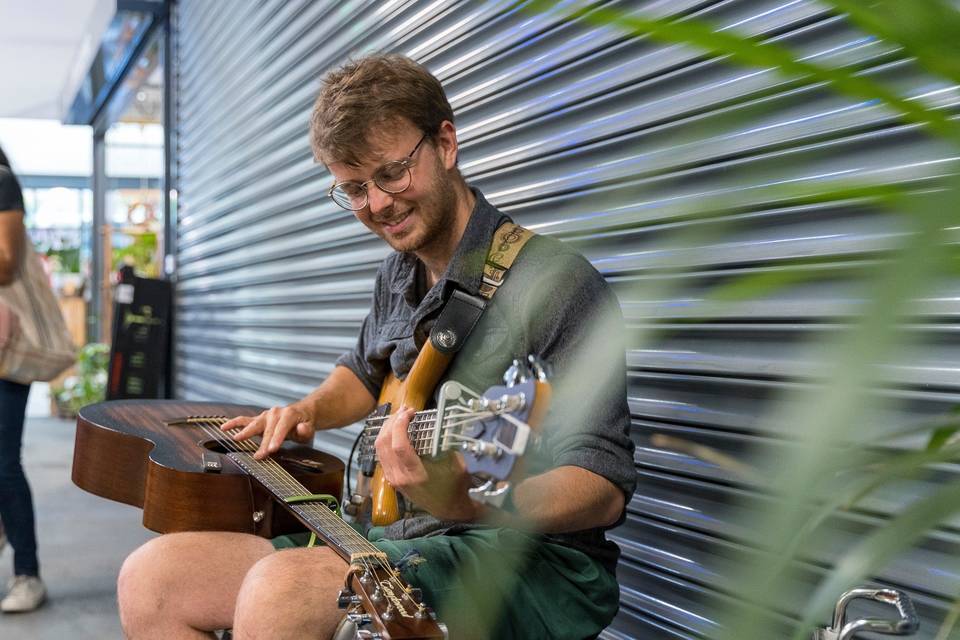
(507, 243)
(462, 311)
(459, 316)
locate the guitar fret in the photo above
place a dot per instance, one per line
(398, 615)
(422, 447)
(421, 431)
(329, 525)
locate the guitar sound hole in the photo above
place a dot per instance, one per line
(214, 445)
(303, 464)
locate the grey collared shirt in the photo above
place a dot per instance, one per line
(553, 304)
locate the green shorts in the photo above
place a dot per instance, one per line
(501, 583)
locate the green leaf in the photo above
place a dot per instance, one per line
(875, 551)
(756, 53)
(926, 29)
(769, 280)
(940, 437)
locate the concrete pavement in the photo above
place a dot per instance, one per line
(83, 540)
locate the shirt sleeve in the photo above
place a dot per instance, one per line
(577, 328)
(11, 197)
(365, 364)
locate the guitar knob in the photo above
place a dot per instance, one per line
(364, 634)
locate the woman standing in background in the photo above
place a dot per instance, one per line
(25, 591)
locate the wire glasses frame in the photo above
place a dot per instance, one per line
(393, 177)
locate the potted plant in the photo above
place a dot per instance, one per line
(88, 385)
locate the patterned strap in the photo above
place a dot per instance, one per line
(507, 243)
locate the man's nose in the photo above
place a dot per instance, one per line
(377, 199)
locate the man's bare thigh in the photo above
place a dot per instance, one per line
(193, 576)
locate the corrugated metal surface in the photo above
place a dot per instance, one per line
(665, 167)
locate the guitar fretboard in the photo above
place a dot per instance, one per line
(316, 515)
(425, 431)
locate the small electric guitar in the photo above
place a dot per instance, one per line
(491, 431)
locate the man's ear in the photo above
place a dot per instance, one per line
(447, 146)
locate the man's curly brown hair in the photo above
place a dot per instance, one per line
(370, 93)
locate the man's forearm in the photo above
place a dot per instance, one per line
(558, 501)
(340, 400)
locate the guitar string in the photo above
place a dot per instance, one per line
(427, 431)
(211, 427)
(420, 419)
(425, 437)
(422, 427)
(269, 465)
(418, 430)
(321, 512)
(419, 423)
(421, 430)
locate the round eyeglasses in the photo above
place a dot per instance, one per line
(393, 177)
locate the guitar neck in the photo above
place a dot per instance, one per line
(314, 514)
(425, 432)
(376, 591)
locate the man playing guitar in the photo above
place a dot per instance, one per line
(539, 566)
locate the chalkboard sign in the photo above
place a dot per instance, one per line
(141, 335)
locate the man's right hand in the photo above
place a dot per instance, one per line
(275, 425)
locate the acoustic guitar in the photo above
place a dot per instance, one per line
(145, 454)
(173, 459)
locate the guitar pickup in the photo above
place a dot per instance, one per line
(211, 462)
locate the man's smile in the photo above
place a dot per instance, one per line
(397, 224)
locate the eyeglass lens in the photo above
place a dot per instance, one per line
(393, 177)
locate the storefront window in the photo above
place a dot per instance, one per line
(54, 217)
(132, 233)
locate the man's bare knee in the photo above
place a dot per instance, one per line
(185, 581)
(140, 585)
(291, 594)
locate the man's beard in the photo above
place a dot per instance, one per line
(436, 215)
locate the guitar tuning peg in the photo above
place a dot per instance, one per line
(522, 371)
(346, 599)
(541, 370)
(518, 372)
(359, 619)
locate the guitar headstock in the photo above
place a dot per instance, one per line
(493, 430)
(384, 607)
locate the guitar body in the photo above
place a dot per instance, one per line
(125, 450)
(413, 391)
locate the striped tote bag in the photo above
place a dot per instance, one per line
(35, 344)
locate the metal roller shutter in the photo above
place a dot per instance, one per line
(660, 164)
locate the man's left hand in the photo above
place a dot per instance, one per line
(439, 486)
